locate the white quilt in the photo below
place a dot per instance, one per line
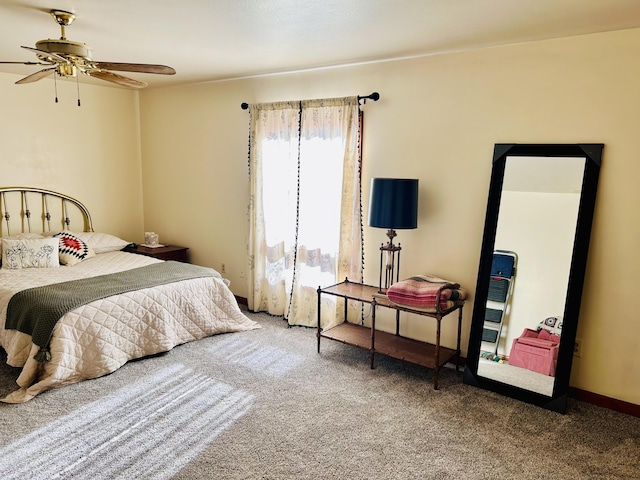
(100, 337)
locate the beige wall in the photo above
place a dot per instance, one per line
(437, 120)
(91, 152)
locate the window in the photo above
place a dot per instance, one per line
(305, 209)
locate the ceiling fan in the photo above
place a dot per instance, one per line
(67, 58)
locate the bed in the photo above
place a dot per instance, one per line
(95, 331)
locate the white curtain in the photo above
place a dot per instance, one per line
(305, 221)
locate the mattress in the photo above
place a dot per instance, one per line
(98, 338)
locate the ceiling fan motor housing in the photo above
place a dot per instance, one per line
(65, 48)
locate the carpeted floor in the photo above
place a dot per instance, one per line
(516, 376)
(264, 405)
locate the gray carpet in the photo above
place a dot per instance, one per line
(264, 405)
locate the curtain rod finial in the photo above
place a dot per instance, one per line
(375, 96)
(244, 106)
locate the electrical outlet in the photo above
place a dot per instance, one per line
(242, 275)
(577, 348)
(223, 268)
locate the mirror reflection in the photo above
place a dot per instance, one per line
(536, 230)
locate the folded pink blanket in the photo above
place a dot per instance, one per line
(427, 293)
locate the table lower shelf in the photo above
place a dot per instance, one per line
(402, 348)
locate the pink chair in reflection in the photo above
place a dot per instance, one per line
(536, 351)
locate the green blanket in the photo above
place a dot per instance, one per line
(36, 311)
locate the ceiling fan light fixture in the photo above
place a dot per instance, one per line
(67, 70)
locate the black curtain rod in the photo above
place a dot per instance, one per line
(375, 96)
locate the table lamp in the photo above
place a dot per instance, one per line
(393, 205)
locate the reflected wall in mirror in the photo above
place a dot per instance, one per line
(532, 266)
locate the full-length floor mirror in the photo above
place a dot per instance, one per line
(532, 267)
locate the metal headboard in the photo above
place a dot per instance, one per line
(53, 211)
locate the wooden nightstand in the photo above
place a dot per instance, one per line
(168, 252)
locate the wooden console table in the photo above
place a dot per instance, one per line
(376, 341)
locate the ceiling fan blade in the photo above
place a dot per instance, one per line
(136, 67)
(25, 63)
(34, 77)
(53, 56)
(115, 78)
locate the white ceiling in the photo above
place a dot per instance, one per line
(207, 40)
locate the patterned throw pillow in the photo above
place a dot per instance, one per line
(72, 250)
(20, 236)
(29, 253)
(552, 325)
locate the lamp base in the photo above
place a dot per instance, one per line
(391, 266)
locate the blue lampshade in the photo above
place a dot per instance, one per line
(393, 203)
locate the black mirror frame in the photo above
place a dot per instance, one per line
(593, 153)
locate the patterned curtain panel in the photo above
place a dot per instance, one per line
(305, 207)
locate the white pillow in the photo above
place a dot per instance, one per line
(29, 253)
(102, 242)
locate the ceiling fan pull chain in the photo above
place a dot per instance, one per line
(78, 87)
(55, 84)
